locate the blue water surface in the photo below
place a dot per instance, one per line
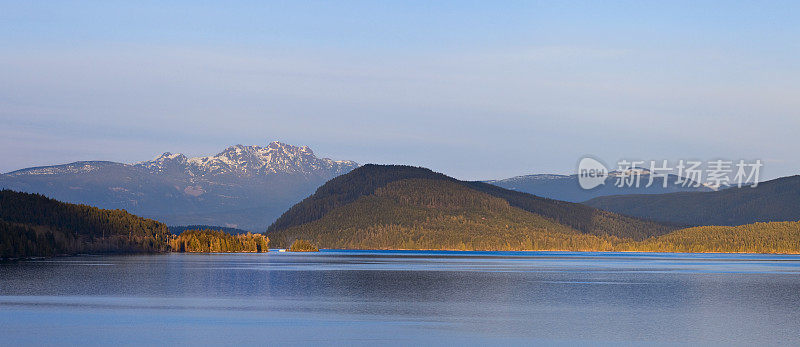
(345, 297)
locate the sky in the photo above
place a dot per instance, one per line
(476, 90)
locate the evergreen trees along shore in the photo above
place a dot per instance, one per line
(215, 241)
(301, 245)
(33, 225)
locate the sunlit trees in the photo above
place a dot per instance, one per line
(301, 245)
(215, 241)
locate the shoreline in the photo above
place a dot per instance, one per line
(323, 250)
(544, 250)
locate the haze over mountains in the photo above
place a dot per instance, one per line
(771, 201)
(245, 187)
(249, 187)
(566, 187)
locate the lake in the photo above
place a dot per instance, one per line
(403, 298)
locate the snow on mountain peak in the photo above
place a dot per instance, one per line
(167, 162)
(241, 160)
(78, 167)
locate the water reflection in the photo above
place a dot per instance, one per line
(365, 297)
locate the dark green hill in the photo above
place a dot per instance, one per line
(378, 206)
(435, 214)
(34, 225)
(347, 188)
(771, 201)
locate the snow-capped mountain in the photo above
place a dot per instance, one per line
(243, 186)
(244, 161)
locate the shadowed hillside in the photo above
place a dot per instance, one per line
(378, 206)
(567, 188)
(435, 214)
(33, 225)
(771, 201)
(581, 217)
(347, 188)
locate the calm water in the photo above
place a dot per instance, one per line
(402, 297)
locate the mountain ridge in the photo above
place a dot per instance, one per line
(771, 201)
(275, 158)
(244, 187)
(567, 188)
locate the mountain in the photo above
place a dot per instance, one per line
(566, 187)
(391, 206)
(771, 201)
(250, 161)
(34, 225)
(244, 187)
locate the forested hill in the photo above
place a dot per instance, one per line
(34, 225)
(578, 216)
(347, 188)
(771, 201)
(377, 206)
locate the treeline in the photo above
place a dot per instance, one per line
(24, 240)
(772, 237)
(301, 245)
(34, 225)
(215, 241)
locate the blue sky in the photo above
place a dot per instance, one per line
(477, 90)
